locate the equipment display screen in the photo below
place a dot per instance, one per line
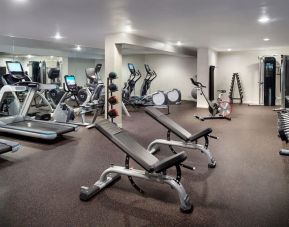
(131, 68)
(14, 67)
(70, 80)
(98, 68)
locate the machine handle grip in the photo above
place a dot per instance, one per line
(214, 137)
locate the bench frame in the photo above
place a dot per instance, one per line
(113, 174)
(154, 169)
(155, 145)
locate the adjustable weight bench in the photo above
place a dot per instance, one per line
(154, 169)
(189, 140)
(8, 146)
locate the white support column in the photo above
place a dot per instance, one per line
(205, 58)
(113, 63)
(203, 74)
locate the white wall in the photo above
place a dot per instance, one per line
(213, 57)
(77, 66)
(173, 72)
(206, 57)
(245, 63)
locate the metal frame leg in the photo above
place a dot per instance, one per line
(112, 174)
(154, 147)
(284, 152)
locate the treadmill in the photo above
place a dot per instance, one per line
(20, 123)
(8, 146)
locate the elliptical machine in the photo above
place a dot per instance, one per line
(54, 95)
(158, 98)
(151, 75)
(72, 92)
(129, 86)
(218, 110)
(96, 90)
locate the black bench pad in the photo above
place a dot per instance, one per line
(136, 151)
(174, 127)
(170, 161)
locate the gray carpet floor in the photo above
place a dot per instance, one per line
(40, 184)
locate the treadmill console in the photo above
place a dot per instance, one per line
(15, 73)
(131, 68)
(15, 69)
(70, 83)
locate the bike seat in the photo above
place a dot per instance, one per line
(222, 91)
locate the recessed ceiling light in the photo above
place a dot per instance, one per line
(20, 1)
(78, 48)
(51, 57)
(29, 56)
(264, 20)
(229, 49)
(179, 43)
(266, 39)
(58, 36)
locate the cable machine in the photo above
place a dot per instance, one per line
(269, 67)
(267, 81)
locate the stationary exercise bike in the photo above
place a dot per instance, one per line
(218, 110)
(95, 91)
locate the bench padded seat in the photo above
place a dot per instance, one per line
(136, 151)
(174, 127)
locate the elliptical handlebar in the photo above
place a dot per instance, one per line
(64, 87)
(154, 75)
(151, 74)
(138, 75)
(198, 84)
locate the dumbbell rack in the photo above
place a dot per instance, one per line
(236, 77)
(109, 106)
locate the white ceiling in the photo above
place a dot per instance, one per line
(219, 24)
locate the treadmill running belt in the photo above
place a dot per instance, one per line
(40, 127)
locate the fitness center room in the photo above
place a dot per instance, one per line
(144, 113)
